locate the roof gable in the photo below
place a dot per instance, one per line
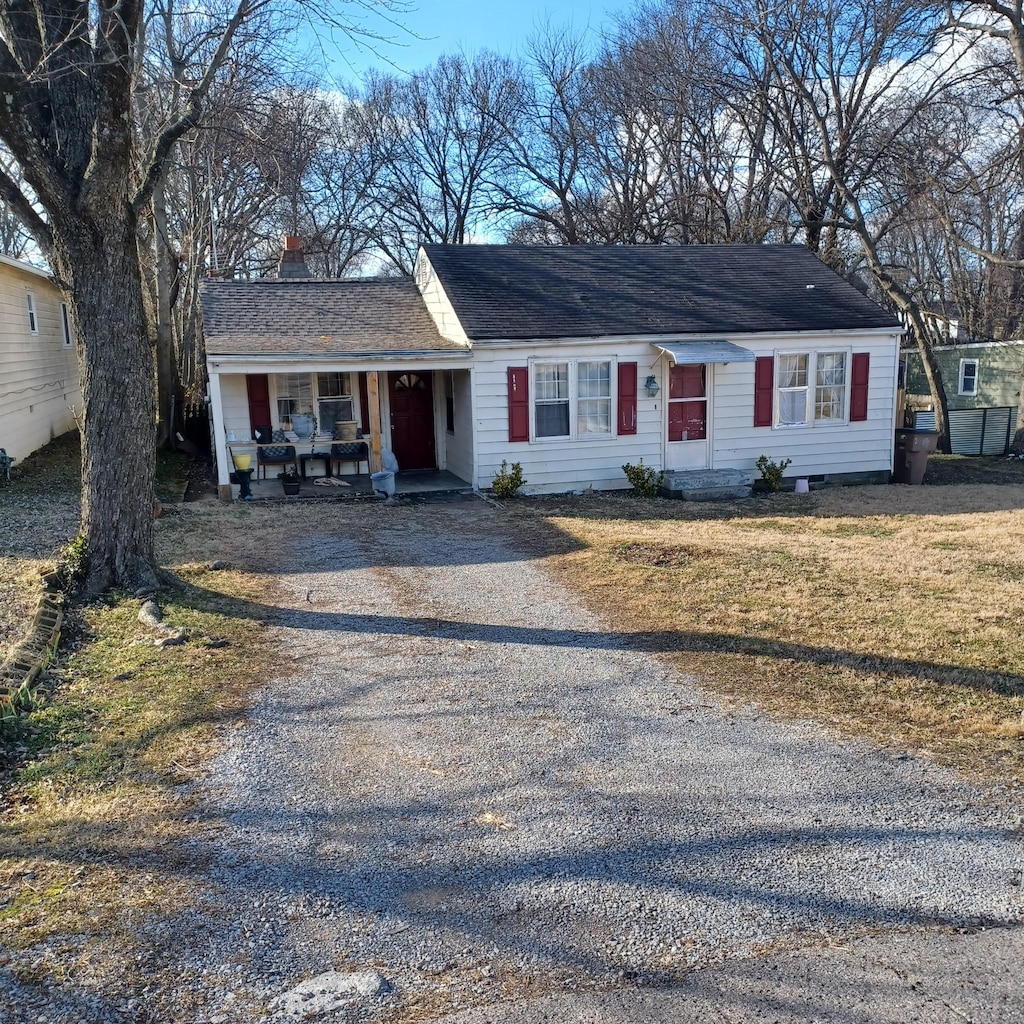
(536, 292)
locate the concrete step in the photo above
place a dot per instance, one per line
(706, 484)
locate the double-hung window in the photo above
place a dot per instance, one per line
(334, 399)
(551, 403)
(327, 396)
(968, 377)
(33, 319)
(294, 397)
(811, 388)
(572, 398)
(594, 398)
(830, 386)
(791, 388)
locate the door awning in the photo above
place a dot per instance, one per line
(688, 353)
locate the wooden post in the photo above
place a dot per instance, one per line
(373, 394)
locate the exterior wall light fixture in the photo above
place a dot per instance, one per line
(651, 386)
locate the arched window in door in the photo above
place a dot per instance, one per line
(410, 382)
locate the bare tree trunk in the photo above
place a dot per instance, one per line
(933, 374)
(99, 265)
(166, 366)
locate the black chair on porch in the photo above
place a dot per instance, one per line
(349, 451)
(274, 454)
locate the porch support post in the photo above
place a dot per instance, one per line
(220, 445)
(373, 397)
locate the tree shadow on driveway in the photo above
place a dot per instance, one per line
(643, 641)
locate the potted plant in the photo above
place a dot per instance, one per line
(304, 425)
(290, 480)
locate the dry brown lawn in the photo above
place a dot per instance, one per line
(888, 612)
(92, 813)
(892, 613)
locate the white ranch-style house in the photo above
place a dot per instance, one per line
(39, 384)
(568, 360)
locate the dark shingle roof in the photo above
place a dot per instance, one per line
(518, 292)
(317, 317)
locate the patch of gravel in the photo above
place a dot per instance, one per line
(472, 787)
(35, 527)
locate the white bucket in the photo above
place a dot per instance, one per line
(384, 482)
(801, 486)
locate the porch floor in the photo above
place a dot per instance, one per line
(415, 482)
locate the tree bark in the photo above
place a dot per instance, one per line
(933, 374)
(98, 263)
(166, 364)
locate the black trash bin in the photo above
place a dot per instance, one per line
(911, 458)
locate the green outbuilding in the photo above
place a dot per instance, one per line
(983, 382)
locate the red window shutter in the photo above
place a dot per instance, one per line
(519, 403)
(859, 386)
(364, 404)
(627, 398)
(764, 386)
(257, 386)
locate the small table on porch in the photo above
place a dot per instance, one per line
(305, 457)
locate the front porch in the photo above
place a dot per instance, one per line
(421, 413)
(354, 487)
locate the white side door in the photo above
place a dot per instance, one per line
(688, 411)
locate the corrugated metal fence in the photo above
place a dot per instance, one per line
(975, 431)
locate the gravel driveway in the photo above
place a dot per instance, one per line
(474, 788)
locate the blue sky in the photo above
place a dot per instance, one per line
(470, 25)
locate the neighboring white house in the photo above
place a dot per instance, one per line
(39, 384)
(572, 361)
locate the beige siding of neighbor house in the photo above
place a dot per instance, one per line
(861, 447)
(563, 464)
(39, 384)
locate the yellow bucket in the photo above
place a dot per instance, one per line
(242, 461)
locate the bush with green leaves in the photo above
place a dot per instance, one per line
(507, 481)
(645, 480)
(771, 471)
(73, 565)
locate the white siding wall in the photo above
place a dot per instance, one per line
(849, 448)
(459, 446)
(39, 382)
(235, 400)
(437, 302)
(561, 465)
(565, 465)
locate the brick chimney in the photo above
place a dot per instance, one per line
(293, 260)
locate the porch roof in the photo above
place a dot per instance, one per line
(318, 318)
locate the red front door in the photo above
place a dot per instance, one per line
(412, 419)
